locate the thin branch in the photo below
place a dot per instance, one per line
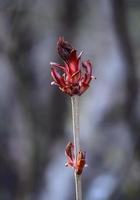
(76, 134)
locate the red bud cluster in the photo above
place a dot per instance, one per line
(71, 78)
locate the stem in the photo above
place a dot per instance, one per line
(76, 134)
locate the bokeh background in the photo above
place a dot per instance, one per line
(35, 117)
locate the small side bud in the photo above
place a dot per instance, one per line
(77, 164)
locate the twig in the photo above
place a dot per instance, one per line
(76, 134)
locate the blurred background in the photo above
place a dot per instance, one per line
(35, 117)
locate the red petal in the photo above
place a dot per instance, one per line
(73, 62)
(80, 164)
(58, 66)
(64, 48)
(69, 152)
(76, 77)
(57, 78)
(88, 71)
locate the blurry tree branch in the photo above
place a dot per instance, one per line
(120, 25)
